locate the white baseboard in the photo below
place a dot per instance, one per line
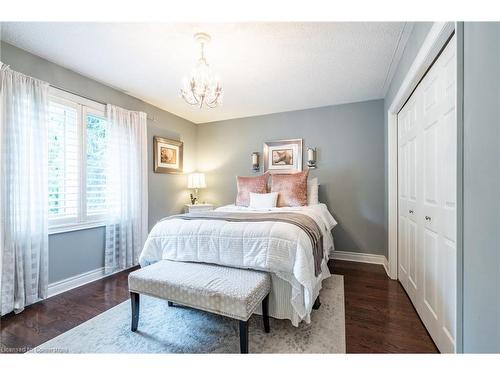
(362, 258)
(75, 281)
(79, 280)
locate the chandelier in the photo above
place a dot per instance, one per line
(203, 88)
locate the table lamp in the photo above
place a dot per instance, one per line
(196, 181)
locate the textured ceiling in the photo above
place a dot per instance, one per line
(264, 67)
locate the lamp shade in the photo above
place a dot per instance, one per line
(196, 181)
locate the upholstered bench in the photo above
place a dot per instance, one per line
(231, 292)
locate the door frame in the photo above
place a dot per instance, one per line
(436, 39)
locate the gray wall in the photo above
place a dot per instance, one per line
(350, 145)
(75, 252)
(481, 237)
(417, 37)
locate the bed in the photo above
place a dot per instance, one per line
(276, 246)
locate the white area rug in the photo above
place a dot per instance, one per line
(176, 329)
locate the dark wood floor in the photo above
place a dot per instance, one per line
(379, 315)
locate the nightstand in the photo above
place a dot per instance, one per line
(201, 207)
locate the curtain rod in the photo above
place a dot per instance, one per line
(94, 100)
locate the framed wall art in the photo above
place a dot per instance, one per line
(283, 156)
(167, 155)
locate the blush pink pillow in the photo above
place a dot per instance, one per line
(247, 185)
(292, 189)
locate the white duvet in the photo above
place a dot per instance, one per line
(280, 248)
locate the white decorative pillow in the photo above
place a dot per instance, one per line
(312, 191)
(261, 201)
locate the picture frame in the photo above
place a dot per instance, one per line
(167, 155)
(284, 156)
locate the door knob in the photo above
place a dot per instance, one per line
(428, 218)
(411, 211)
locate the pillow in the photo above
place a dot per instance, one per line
(260, 201)
(247, 185)
(292, 189)
(312, 191)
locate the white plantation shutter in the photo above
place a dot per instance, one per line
(76, 162)
(64, 162)
(95, 164)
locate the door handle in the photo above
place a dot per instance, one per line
(411, 211)
(428, 218)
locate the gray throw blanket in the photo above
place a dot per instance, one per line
(304, 222)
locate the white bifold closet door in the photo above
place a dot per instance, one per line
(427, 163)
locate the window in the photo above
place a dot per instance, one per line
(76, 162)
(64, 164)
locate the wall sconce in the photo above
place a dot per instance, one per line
(311, 158)
(255, 161)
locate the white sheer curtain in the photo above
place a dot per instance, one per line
(127, 187)
(23, 190)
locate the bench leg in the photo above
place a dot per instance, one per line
(265, 314)
(243, 337)
(317, 304)
(134, 299)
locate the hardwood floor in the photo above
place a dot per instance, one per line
(379, 315)
(45, 320)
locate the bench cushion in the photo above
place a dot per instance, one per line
(225, 291)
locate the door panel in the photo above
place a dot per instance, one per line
(412, 256)
(403, 253)
(430, 294)
(430, 165)
(448, 284)
(449, 175)
(412, 170)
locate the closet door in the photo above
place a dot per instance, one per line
(448, 158)
(403, 211)
(428, 166)
(447, 203)
(431, 96)
(408, 193)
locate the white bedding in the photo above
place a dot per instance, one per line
(280, 248)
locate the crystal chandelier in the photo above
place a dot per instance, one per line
(203, 89)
